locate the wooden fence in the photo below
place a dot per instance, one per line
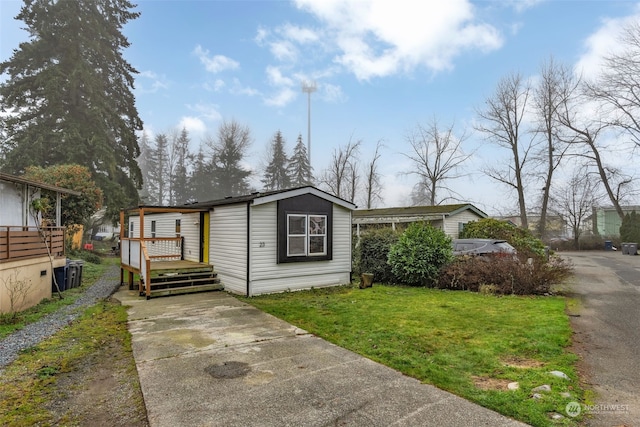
(29, 242)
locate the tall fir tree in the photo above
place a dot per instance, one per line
(160, 175)
(299, 170)
(200, 178)
(147, 165)
(69, 89)
(179, 178)
(276, 174)
(230, 178)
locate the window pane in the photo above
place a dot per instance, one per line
(317, 224)
(297, 224)
(317, 245)
(296, 246)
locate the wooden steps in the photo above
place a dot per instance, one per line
(184, 280)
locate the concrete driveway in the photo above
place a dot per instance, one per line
(607, 333)
(211, 360)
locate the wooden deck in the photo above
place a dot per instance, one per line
(177, 265)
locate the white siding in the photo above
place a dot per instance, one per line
(14, 202)
(452, 222)
(190, 231)
(268, 276)
(135, 222)
(228, 246)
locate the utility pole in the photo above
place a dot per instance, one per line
(309, 87)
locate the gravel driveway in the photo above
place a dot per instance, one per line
(607, 333)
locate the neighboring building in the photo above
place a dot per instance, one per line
(606, 222)
(259, 243)
(449, 218)
(556, 227)
(25, 246)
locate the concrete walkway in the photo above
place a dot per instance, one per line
(209, 359)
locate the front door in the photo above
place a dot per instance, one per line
(204, 237)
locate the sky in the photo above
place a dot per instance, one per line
(381, 68)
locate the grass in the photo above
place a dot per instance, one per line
(454, 340)
(28, 385)
(90, 273)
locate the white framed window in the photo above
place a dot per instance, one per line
(306, 235)
(153, 229)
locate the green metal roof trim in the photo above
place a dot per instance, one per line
(418, 210)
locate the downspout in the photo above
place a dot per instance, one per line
(248, 246)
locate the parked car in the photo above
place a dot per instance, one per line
(103, 236)
(482, 247)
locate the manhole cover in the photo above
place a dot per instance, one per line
(228, 370)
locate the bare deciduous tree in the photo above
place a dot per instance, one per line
(437, 156)
(583, 132)
(574, 201)
(547, 97)
(373, 186)
(502, 123)
(341, 177)
(617, 85)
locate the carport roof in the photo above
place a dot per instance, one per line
(414, 213)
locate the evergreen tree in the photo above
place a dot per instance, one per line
(179, 178)
(229, 177)
(200, 180)
(299, 170)
(70, 92)
(630, 228)
(147, 165)
(160, 175)
(276, 175)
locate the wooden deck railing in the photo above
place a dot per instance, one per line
(18, 242)
(137, 255)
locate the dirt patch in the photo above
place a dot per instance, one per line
(102, 390)
(522, 363)
(484, 383)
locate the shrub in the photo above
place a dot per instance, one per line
(630, 228)
(520, 238)
(503, 275)
(372, 252)
(419, 253)
(90, 257)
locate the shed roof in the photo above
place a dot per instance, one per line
(21, 180)
(413, 213)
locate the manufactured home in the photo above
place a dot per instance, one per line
(29, 250)
(259, 243)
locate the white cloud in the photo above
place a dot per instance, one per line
(299, 34)
(378, 38)
(332, 93)
(276, 78)
(206, 111)
(284, 50)
(193, 125)
(150, 82)
(215, 63)
(603, 42)
(238, 89)
(281, 98)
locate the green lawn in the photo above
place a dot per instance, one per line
(459, 341)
